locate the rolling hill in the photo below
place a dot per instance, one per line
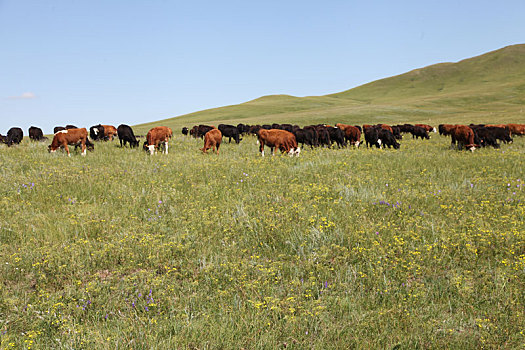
(485, 88)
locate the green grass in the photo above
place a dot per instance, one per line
(483, 89)
(418, 248)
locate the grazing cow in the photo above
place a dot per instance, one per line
(337, 136)
(282, 139)
(372, 137)
(125, 134)
(352, 133)
(109, 132)
(323, 136)
(446, 129)
(516, 129)
(212, 139)
(230, 131)
(200, 130)
(486, 137)
(499, 133)
(63, 138)
(3, 139)
(254, 129)
(304, 137)
(387, 138)
(36, 134)
(420, 132)
(157, 136)
(184, 131)
(427, 127)
(57, 129)
(464, 136)
(14, 136)
(243, 128)
(396, 130)
(69, 126)
(97, 132)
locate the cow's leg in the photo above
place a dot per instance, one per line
(261, 147)
(83, 148)
(166, 146)
(218, 145)
(67, 150)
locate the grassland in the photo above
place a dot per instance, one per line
(484, 89)
(418, 248)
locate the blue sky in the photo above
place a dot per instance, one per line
(88, 62)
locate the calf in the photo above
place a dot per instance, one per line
(427, 127)
(63, 138)
(282, 139)
(212, 139)
(125, 134)
(157, 136)
(185, 131)
(14, 136)
(36, 134)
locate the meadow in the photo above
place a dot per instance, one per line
(423, 247)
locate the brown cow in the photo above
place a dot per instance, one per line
(352, 133)
(64, 138)
(516, 129)
(213, 139)
(276, 138)
(157, 136)
(110, 131)
(464, 136)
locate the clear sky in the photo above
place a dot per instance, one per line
(86, 62)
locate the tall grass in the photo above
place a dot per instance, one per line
(339, 248)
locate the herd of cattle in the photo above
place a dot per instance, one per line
(285, 137)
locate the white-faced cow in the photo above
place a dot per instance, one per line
(157, 136)
(64, 138)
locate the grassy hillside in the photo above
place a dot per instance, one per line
(486, 88)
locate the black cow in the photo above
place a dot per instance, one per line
(184, 131)
(36, 134)
(336, 135)
(14, 136)
(396, 130)
(57, 129)
(230, 131)
(372, 137)
(69, 126)
(323, 136)
(387, 138)
(418, 131)
(303, 137)
(485, 136)
(314, 134)
(500, 133)
(97, 132)
(3, 139)
(125, 134)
